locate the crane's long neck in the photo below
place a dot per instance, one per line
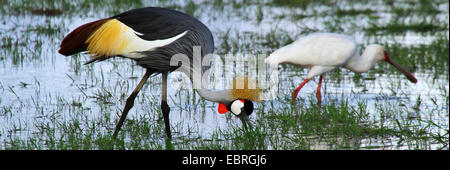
(222, 96)
(361, 63)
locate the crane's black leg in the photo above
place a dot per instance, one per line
(130, 102)
(164, 106)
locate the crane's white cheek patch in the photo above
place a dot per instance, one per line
(236, 107)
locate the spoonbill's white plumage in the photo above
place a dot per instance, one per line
(323, 52)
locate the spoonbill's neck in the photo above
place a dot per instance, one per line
(361, 63)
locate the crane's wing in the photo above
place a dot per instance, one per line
(154, 23)
(126, 34)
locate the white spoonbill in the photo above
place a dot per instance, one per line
(323, 52)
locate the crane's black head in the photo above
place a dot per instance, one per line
(238, 107)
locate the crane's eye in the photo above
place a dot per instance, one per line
(237, 107)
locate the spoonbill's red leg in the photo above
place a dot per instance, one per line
(294, 95)
(319, 97)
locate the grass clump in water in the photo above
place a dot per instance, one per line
(301, 3)
(396, 27)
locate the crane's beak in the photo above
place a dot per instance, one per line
(244, 119)
(401, 69)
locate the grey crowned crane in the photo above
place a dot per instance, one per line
(152, 36)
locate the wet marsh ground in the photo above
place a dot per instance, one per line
(49, 101)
